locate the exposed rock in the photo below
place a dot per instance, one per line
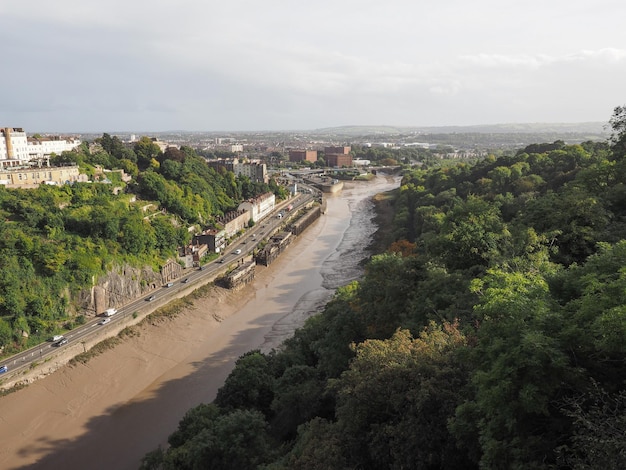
(118, 287)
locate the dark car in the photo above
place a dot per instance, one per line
(201, 268)
(150, 299)
(61, 342)
(185, 281)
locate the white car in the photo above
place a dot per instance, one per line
(237, 252)
(104, 321)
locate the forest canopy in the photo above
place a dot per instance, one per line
(491, 334)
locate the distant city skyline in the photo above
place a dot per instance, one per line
(93, 67)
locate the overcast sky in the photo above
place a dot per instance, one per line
(158, 65)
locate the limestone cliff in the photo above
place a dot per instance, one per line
(118, 287)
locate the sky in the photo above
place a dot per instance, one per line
(249, 65)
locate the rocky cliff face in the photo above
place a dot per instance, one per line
(118, 287)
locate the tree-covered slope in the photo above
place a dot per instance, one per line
(55, 241)
(491, 334)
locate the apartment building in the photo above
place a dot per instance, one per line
(297, 156)
(16, 149)
(260, 206)
(13, 147)
(257, 172)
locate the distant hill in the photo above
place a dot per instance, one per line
(523, 128)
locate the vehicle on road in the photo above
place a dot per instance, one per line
(201, 268)
(4, 369)
(61, 342)
(110, 312)
(222, 261)
(237, 251)
(104, 321)
(150, 299)
(56, 338)
(185, 281)
(169, 284)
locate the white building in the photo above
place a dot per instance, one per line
(18, 150)
(13, 146)
(42, 147)
(260, 206)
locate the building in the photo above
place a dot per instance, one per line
(191, 255)
(338, 156)
(40, 148)
(337, 150)
(16, 149)
(31, 177)
(234, 221)
(338, 160)
(13, 147)
(257, 172)
(260, 206)
(213, 238)
(297, 156)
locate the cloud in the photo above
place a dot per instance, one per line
(533, 62)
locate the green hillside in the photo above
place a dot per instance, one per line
(55, 241)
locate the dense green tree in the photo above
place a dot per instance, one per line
(250, 385)
(519, 369)
(395, 400)
(237, 439)
(146, 150)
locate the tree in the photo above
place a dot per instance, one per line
(618, 132)
(146, 150)
(237, 439)
(519, 368)
(394, 402)
(599, 428)
(250, 385)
